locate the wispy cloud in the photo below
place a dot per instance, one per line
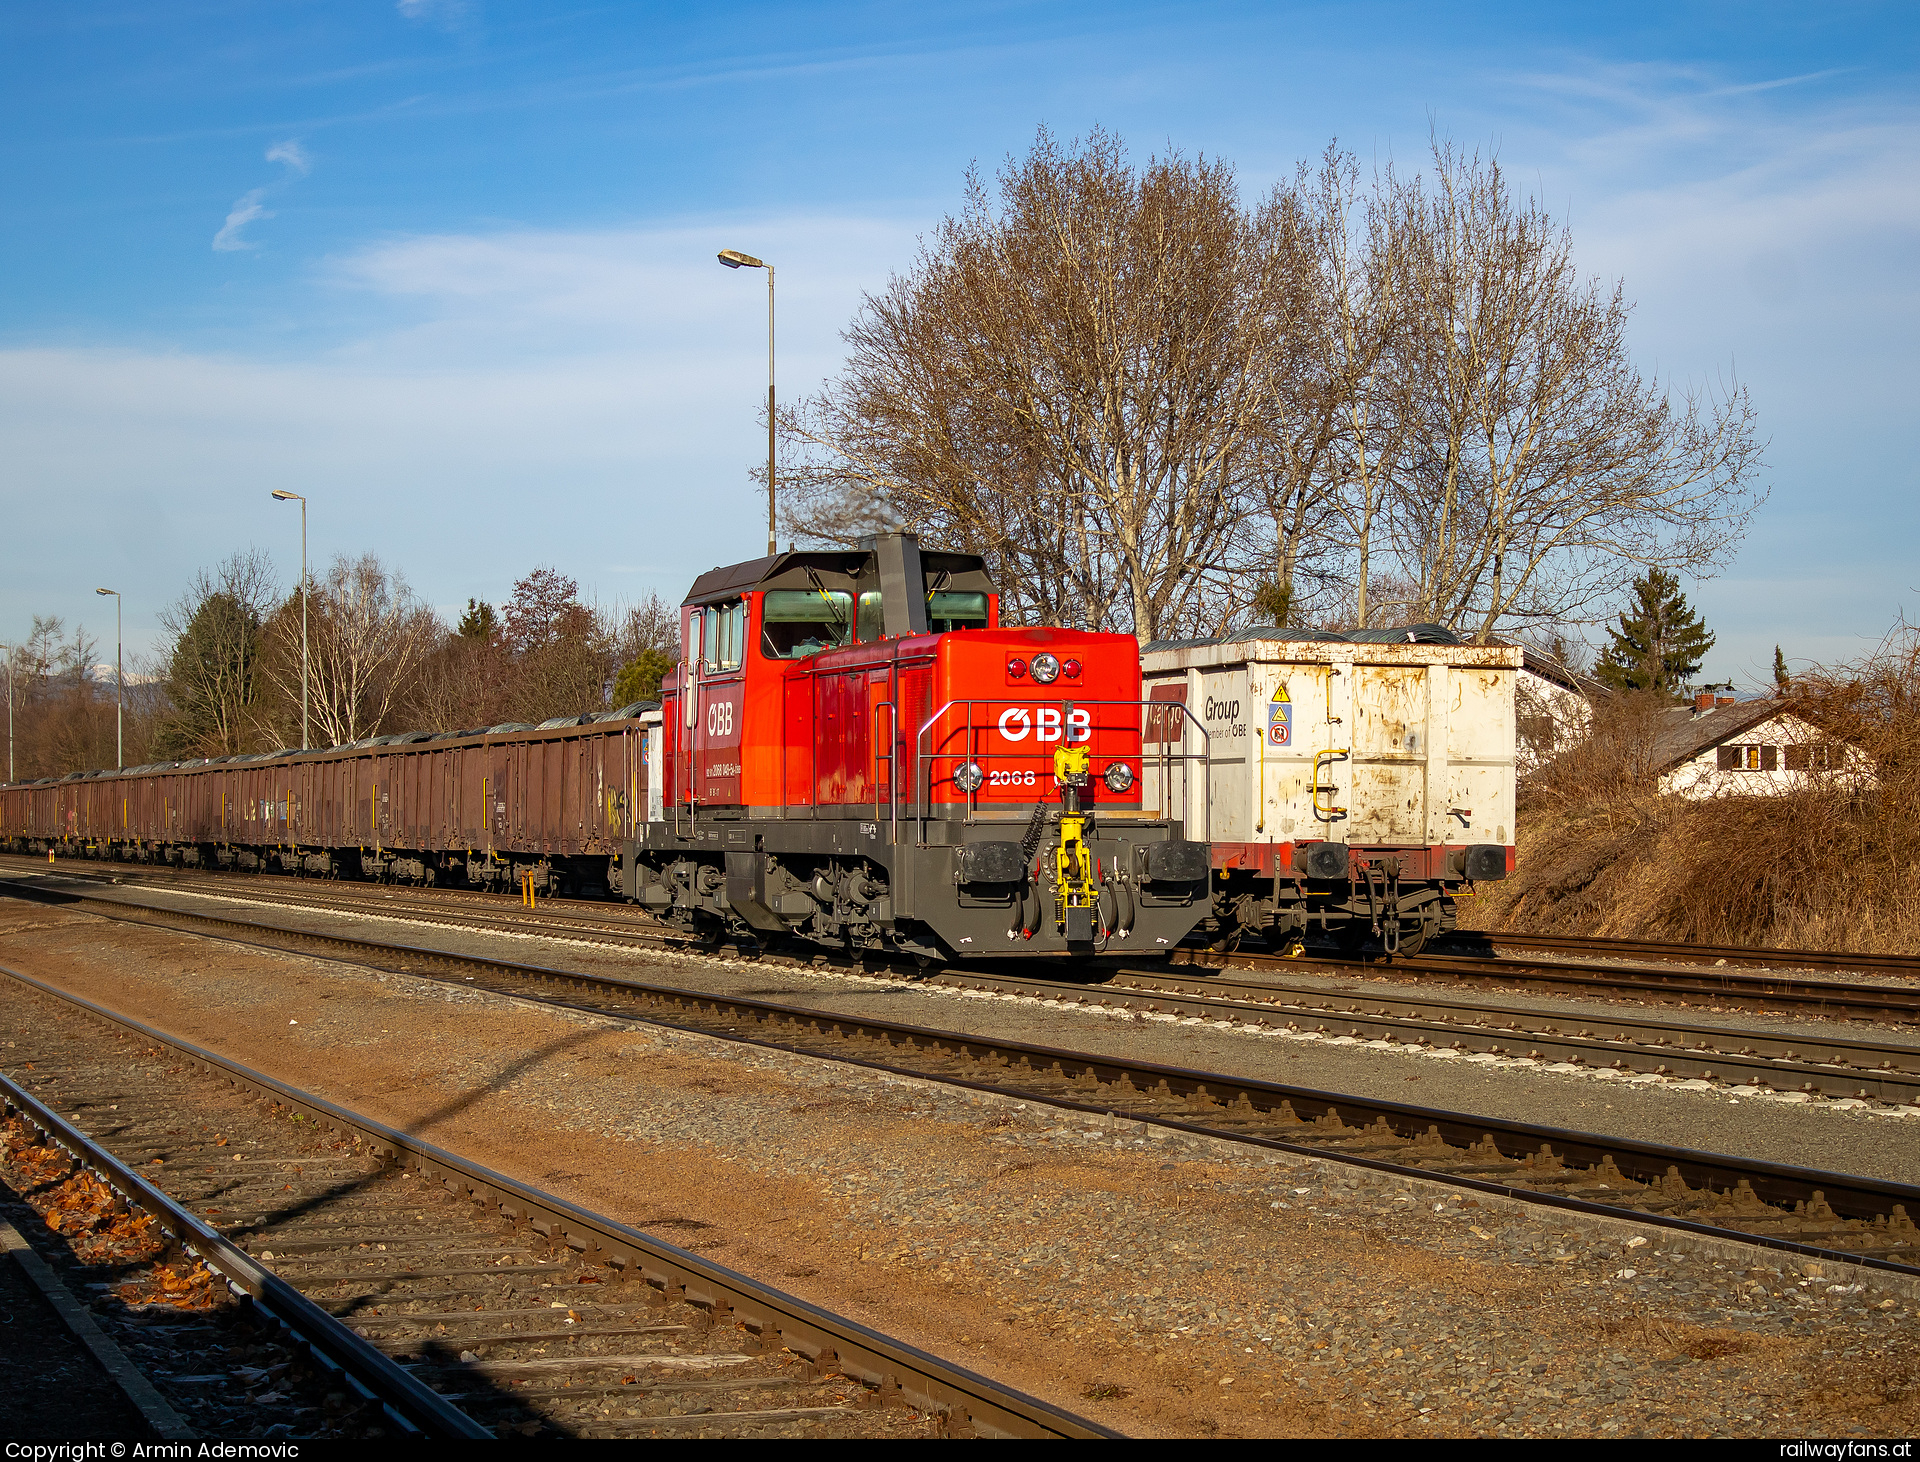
(247, 210)
(250, 207)
(293, 155)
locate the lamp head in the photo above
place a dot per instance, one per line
(114, 592)
(287, 497)
(734, 259)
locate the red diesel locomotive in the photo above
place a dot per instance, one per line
(858, 753)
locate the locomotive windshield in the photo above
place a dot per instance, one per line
(951, 611)
(800, 622)
(945, 611)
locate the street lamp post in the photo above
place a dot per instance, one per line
(734, 259)
(119, 687)
(293, 497)
(9, 650)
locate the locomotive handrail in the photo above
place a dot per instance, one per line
(893, 769)
(924, 758)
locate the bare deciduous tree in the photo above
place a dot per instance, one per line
(1154, 409)
(1071, 380)
(368, 635)
(1540, 471)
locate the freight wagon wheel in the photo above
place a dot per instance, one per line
(1227, 943)
(1414, 939)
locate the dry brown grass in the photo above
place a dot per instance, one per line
(1828, 865)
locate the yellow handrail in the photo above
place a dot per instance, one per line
(1329, 813)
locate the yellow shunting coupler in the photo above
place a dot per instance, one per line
(1076, 898)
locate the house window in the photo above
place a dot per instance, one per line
(1747, 758)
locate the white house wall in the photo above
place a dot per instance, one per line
(1567, 715)
(1701, 777)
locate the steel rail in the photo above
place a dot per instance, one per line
(1721, 987)
(1447, 1146)
(1710, 974)
(925, 1380)
(1700, 954)
(409, 1401)
(471, 907)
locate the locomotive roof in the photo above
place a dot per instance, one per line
(849, 568)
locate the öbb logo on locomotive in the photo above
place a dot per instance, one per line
(841, 757)
(1045, 724)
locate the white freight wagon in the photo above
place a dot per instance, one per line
(1351, 783)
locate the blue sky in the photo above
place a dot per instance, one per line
(447, 266)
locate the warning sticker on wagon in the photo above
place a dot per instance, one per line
(1279, 718)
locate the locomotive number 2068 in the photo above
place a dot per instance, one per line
(1011, 779)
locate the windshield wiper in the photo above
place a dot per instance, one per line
(821, 589)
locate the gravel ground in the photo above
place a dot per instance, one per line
(1838, 1136)
(1161, 1284)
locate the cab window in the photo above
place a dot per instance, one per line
(724, 631)
(873, 619)
(950, 611)
(795, 623)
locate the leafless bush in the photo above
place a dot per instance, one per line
(1825, 864)
(1613, 765)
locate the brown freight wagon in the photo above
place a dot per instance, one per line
(558, 803)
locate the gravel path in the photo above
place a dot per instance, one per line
(1160, 1284)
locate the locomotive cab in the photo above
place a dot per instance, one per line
(858, 753)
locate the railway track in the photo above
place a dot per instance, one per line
(613, 925)
(1813, 1064)
(1829, 1215)
(1722, 989)
(465, 1303)
(1697, 954)
(1828, 1066)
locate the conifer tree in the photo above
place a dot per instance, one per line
(1782, 680)
(1660, 642)
(479, 622)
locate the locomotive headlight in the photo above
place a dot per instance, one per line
(968, 777)
(1046, 669)
(1118, 777)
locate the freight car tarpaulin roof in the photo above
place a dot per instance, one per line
(1406, 634)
